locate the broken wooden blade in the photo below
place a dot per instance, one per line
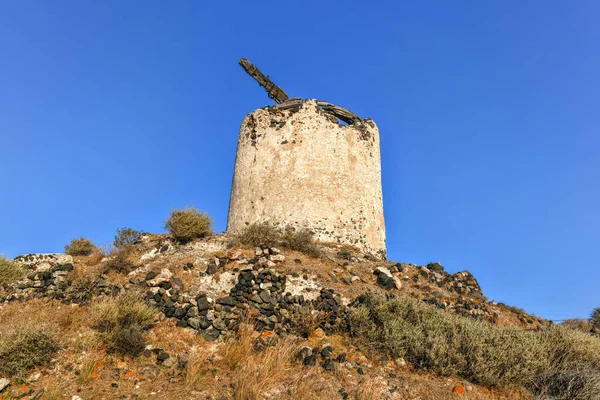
(274, 91)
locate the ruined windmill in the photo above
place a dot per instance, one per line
(298, 165)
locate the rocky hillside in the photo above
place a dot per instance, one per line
(216, 319)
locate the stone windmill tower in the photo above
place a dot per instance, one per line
(309, 164)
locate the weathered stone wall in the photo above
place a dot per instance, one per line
(303, 168)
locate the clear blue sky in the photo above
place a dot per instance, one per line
(114, 112)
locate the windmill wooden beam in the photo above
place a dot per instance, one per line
(274, 91)
(283, 100)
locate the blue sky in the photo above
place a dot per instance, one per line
(113, 113)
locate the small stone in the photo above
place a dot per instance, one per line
(202, 303)
(277, 258)
(4, 383)
(329, 365)
(162, 356)
(168, 363)
(194, 322)
(332, 277)
(385, 281)
(354, 278)
(382, 271)
(35, 377)
(327, 351)
(227, 301)
(309, 361)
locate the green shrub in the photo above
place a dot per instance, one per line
(126, 237)
(188, 224)
(23, 349)
(10, 271)
(264, 234)
(447, 344)
(80, 247)
(122, 322)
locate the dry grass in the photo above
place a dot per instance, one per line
(263, 372)
(264, 234)
(55, 390)
(577, 324)
(10, 271)
(122, 322)
(447, 344)
(198, 367)
(188, 224)
(80, 247)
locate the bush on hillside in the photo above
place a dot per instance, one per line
(23, 349)
(120, 261)
(264, 234)
(300, 240)
(80, 247)
(126, 237)
(577, 324)
(447, 344)
(188, 224)
(260, 234)
(595, 318)
(122, 322)
(10, 271)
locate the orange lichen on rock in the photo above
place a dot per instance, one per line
(458, 390)
(128, 375)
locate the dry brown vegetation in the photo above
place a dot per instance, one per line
(264, 234)
(188, 224)
(123, 322)
(447, 344)
(10, 271)
(80, 247)
(126, 237)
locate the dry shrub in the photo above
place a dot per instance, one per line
(120, 260)
(80, 247)
(577, 324)
(305, 323)
(23, 348)
(122, 322)
(264, 234)
(94, 259)
(188, 224)
(10, 271)
(126, 237)
(260, 234)
(448, 344)
(595, 318)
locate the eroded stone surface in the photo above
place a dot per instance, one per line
(305, 169)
